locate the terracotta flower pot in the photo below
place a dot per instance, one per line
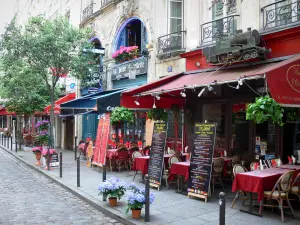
(136, 213)
(112, 201)
(38, 156)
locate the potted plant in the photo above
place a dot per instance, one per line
(42, 138)
(47, 153)
(157, 114)
(125, 54)
(265, 109)
(121, 114)
(42, 125)
(113, 189)
(136, 200)
(38, 154)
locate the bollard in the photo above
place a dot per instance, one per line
(4, 141)
(8, 142)
(16, 145)
(49, 159)
(104, 177)
(78, 172)
(222, 203)
(11, 144)
(75, 148)
(60, 164)
(147, 198)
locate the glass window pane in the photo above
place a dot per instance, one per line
(175, 9)
(175, 25)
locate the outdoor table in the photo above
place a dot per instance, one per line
(180, 169)
(111, 153)
(257, 182)
(290, 167)
(142, 163)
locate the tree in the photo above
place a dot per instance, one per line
(51, 49)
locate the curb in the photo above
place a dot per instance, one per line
(82, 195)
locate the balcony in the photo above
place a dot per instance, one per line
(212, 30)
(280, 14)
(171, 45)
(87, 12)
(105, 3)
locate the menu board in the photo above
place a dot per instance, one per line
(54, 162)
(157, 153)
(202, 158)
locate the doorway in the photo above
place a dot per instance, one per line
(69, 132)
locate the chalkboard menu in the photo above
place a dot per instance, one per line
(54, 162)
(157, 153)
(202, 158)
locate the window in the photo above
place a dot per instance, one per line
(283, 12)
(175, 16)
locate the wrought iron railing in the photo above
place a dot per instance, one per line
(106, 2)
(225, 26)
(280, 13)
(87, 11)
(171, 42)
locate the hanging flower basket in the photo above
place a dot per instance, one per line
(121, 114)
(265, 109)
(157, 114)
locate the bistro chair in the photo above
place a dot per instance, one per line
(296, 186)
(146, 150)
(254, 166)
(280, 193)
(217, 171)
(172, 159)
(131, 150)
(135, 155)
(170, 151)
(239, 169)
(121, 159)
(235, 160)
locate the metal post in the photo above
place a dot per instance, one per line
(49, 158)
(147, 197)
(16, 139)
(8, 142)
(222, 203)
(4, 141)
(78, 172)
(60, 164)
(75, 148)
(104, 177)
(11, 144)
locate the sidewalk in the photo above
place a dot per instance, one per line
(168, 208)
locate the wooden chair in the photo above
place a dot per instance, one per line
(170, 151)
(280, 193)
(172, 159)
(254, 166)
(239, 169)
(135, 155)
(296, 186)
(235, 160)
(121, 159)
(217, 171)
(131, 150)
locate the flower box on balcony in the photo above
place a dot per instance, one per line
(125, 54)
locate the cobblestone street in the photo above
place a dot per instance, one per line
(28, 197)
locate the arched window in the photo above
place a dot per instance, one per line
(131, 33)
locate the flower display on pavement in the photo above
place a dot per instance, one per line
(112, 188)
(42, 125)
(45, 151)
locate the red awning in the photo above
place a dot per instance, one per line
(283, 80)
(66, 98)
(4, 112)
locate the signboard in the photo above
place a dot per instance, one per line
(101, 140)
(157, 154)
(129, 69)
(93, 90)
(201, 160)
(54, 162)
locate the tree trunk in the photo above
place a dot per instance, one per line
(51, 145)
(19, 131)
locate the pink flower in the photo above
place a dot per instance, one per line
(45, 151)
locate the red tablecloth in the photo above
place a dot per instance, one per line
(180, 169)
(111, 153)
(142, 163)
(257, 181)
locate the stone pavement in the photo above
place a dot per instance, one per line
(168, 207)
(29, 197)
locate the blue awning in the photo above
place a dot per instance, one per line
(86, 103)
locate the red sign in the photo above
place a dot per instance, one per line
(293, 77)
(101, 140)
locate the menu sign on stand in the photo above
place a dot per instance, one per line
(54, 162)
(201, 160)
(157, 154)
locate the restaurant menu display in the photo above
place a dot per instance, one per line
(202, 158)
(54, 162)
(157, 153)
(101, 140)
